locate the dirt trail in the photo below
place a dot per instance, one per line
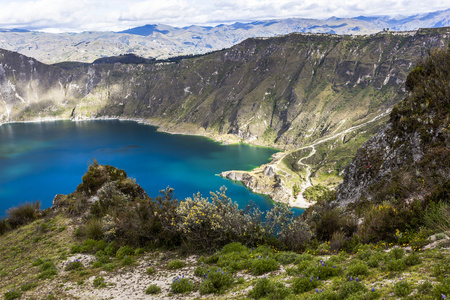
(301, 201)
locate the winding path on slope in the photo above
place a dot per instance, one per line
(300, 201)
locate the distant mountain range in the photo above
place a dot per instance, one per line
(162, 41)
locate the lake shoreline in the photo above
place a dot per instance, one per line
(222, 139)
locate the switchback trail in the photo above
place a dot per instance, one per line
(300, 200)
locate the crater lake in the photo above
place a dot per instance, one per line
(39, 160)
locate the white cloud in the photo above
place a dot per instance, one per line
(80, 15)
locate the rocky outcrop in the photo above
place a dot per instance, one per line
(263, 180)
(409, 158)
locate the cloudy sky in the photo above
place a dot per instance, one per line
(114, 15)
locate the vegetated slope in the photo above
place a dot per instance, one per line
(284, 91)
(409, 158)
(108, 239)
(162, 41)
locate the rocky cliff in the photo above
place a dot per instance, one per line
(409, 158)
(284, 91)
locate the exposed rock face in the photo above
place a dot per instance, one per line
(410, 157)
(262, 182)
(285, 91)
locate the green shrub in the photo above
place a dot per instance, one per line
(175, 264)
(264, 265)
(47, 270)
(263, 250)
(110, 249)
(412, 259)
(397, 253)
(150, 271)
(441, 269)
(99, 282)
(351, 287)
(293, 271)
(425, 288)
(304, 257)
(181, 285)
(23, 214)
(74, 265)
(396, 265)
(99, 245)
(324, 248)
(124, 251)
(28, 286)
(442, 289)
(200, 271)
(217, 281)
(235, 261)
(365, 254)
(264, 288)
(440, 236)
(126, 261)
(139, 251)
(322, 271)
(402, 288)
(12, 295)
(153, 289)
(37, 262)
(102, 257)
(286, 258)
(88, 246)
(109, 267)
(375, 259)
(75, 249)
(233, 247)
(208, 259)
(302, 266)
(356, 269)
(304, 284)
(97, 264)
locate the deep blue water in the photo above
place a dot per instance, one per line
(40, 160)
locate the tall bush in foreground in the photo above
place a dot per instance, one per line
(210, 224)
(3, 226)
(23, 214)
(436, 216)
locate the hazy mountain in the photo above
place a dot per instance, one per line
(162, 41)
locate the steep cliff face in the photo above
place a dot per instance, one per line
(284, 91)
(32, 90)
(409, 158)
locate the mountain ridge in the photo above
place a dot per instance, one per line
(162, 41)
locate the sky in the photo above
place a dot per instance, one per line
(115, 15)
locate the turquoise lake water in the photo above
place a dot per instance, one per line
(40, 160)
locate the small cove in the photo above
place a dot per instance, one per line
(40, 160)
